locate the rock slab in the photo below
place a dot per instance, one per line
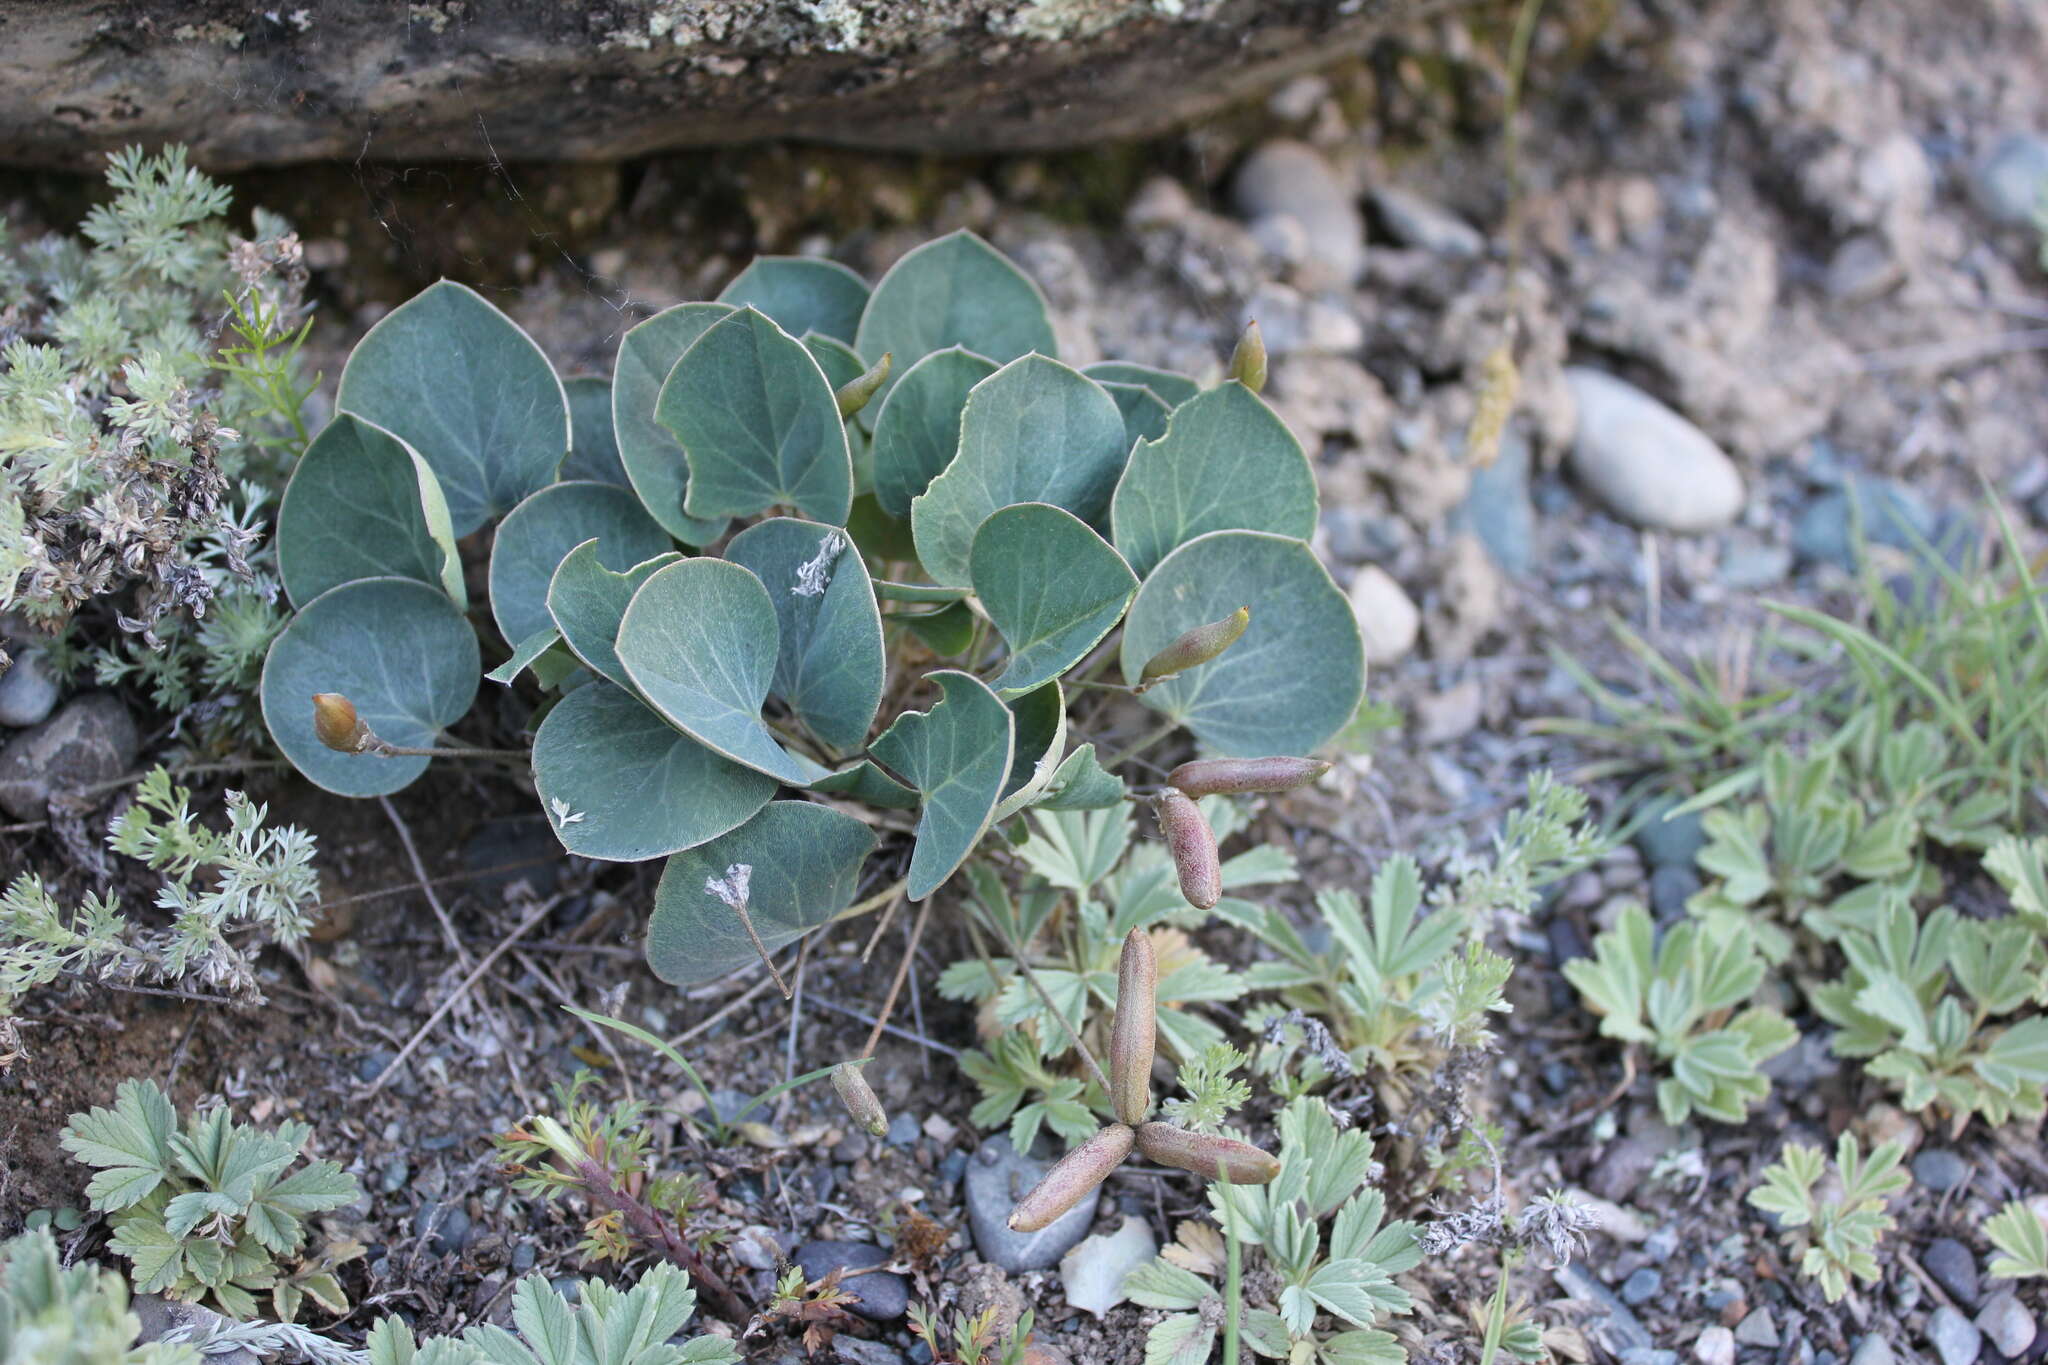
(997, 1178)
(92, 740)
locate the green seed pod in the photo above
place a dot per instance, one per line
(1248, 359)
(1136, 1031)
(854, 394)
(1078, 1172)
(860, 1099)
(1193, 846)
(1209, 1156)
(1234, 776)
(336, 723)
(1196, 647)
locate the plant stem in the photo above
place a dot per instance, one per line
(384, 749)
(1045, 998)
(747, 923)
(661, 1234)
(1233, 1289)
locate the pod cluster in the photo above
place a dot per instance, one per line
(1188, 836)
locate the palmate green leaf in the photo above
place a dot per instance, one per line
(955, 291)
(1035, 431)
(1160, 1283)
(1038, 739)
(699, 641)
(2021, 1240)
(1375, 1347)
(649, 451)
(758, 424)
(129, 1144)
(538, 534)
(803, 294)
(1226, 462)
(1172, 389)
(463, 385)
(587, 601)
(157, 1258)
(804, 862)
(363, 504)
(829, 667)
(917, 430)
(1290, 683)
(620, 783)
(1074, 850)
(957, 755)
(1051, 586)
(396, 648)
(2021, 867)
(593, 448)
(1182, 1339)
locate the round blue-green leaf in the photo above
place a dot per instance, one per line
(869, 785)
(698, 641)
(1173, 389)
(917, 432)
(803, 866)
(957, 755)
(1226, 463)
(1040, 738)
(1034, 431)
(956, 291)
(1289, 683)
(459, 382)
(946, 631)
(758, 424)
(1145, 412)
(828, 665)
(396, 648)
(803, 294)
(593, 449)
(534, 537)
(654, 461)
(587, 601)
(1082, 783)
(1051, 586)
(618, 782)
(363, 504)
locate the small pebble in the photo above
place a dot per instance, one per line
(884, 1295)
(1954, 1337)
(1940, 1170)
(1641, 1287)
(393, 1176)
(1671, 886)
(523, 1257)
(1661, 1245)
(1758, 1329)
(903, 1130)
(1716, 1346)
(1647, 464)
(1873, 1350)
(449, 1224)
(2008, 1324)
(28, 689)
(1953, 1267)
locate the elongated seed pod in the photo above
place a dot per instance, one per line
(1230, 776)
(1136, 1031)
(860, 1099)
(1196, 647)
(1193, 846)
(854, 394)
(1076, 1173)
(336, 723)
(1248, 358)
(1207, 1155)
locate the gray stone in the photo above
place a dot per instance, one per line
(1623, 1165)
(755, 1247)
(1498, 508)
(862, 1352)
(1415, 221)
(884, 1295)
(443, 1225)
(1954, 1268)
(1888, 513)
(28, 689)
(1645, 463)
(1748, 566)
(1640, 1287)
(1648, 1355)
(91, 740)
(1387, 617)
(1671, 886)
(170, 1318)
(2009, 183)
(1292, 178)
(1862, 268)
(1614, 1327)
(1092, 1274)
(1293, 323)
(1666, 840)
(1873, 1350)
(1954, 1337)
(2008, 1324)
(996, 1179)
(1758, 1329)
(903, 1130)
(1716, 1346)
(1940, 1170)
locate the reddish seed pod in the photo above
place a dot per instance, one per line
(1078, 1172)
(1207, 1155)
(1136, 1032)
(1193, 846)
(860, 1099)
(336, 723)
(1234, 776)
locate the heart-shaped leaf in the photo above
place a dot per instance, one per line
(1145, 412)
(1040, 740)
(947, 631)
(828, 668)
(917, 432)
(587, 601)
(459, 382)
(1082, 783)
(535, 535)
(957, 755)
(1051, 586)
(399, 650)
(758, 424)
(363, 504)
(803, 866)
(803, 294)
(1293, 679)
(869, 785)
(956, 291)
(1226, 463)
(593, 450)
(1034, 431)
(698, 641)
(618, 782)
(1172, 389)
(653, 459)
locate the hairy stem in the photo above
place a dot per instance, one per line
(662, 1234)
